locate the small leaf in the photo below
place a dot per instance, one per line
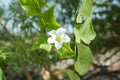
(79, 18)
(84, 59)
(41, 39)
(66, 51)
(72, 75)
(46, 47)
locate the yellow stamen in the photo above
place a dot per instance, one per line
(59, 39)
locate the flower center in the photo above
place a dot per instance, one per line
(59, 39)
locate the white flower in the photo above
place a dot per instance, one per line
(58, 37)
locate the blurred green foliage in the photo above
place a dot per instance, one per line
(17, 34)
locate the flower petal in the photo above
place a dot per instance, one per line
(60, 31)
(51, 40)
(66, 38)
(52, 33)
(58, 45)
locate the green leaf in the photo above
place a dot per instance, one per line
(72, 75)
(40, 43)
(87, 32)
(46, 47)
(41, 39)
(84, 32)
(32, 7)
(48, 21)
(84, 59)
(66, 51)
(0, 74)
(86, 8)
